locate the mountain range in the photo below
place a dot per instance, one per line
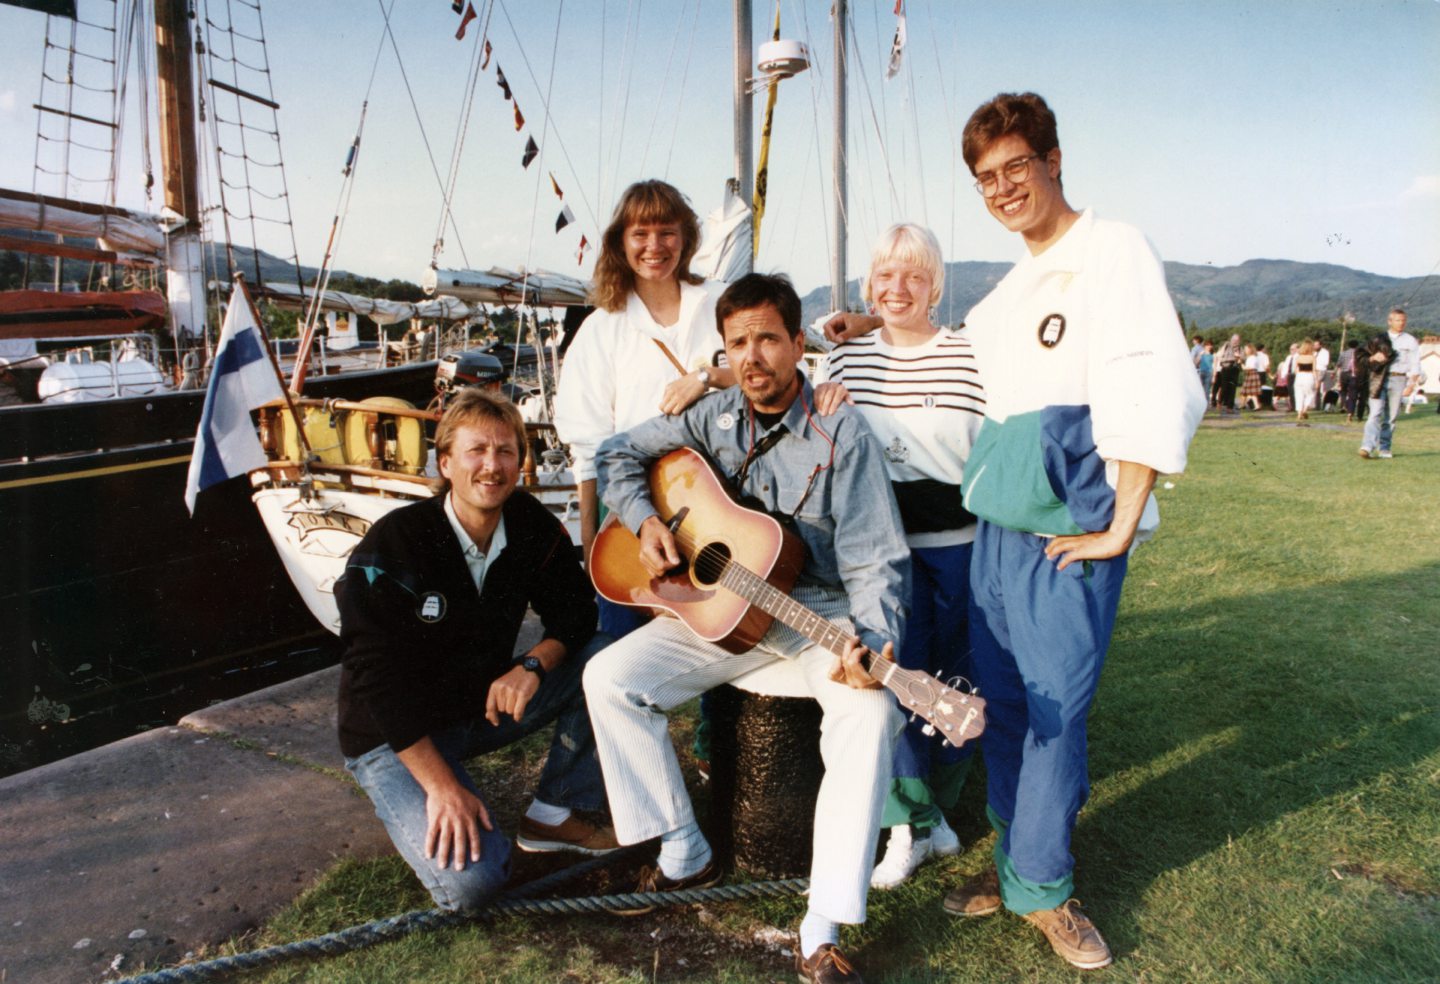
(1254, 292)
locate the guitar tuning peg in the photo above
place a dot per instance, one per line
(928, 730)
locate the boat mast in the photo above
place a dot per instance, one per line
(185, 276)
(838, 292)
(744, 123)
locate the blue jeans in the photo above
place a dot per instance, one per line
(1384, 409)
(571, 778)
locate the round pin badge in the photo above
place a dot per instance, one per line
(432, 607)
(1052, 329)
(726, 421)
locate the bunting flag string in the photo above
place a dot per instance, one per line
(465, 20)
(532, 149)
(897, 47)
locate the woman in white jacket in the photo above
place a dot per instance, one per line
(648, 349)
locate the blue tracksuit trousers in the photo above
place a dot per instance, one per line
(1039, 636)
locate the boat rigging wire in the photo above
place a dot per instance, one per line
(655, 113)
(622, 97)
(680, 100)
(424, 137)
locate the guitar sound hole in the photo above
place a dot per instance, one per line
(710, 563)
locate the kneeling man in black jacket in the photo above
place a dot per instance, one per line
(431, 604)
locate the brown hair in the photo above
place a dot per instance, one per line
(472, 405)
(1024, 114)
(643, 203)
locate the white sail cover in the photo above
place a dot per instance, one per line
(378, 310)
(540, 288)
(132, 233)
(726, 245)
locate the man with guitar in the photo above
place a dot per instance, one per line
(826, 481)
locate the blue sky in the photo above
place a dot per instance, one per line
(1226, 130)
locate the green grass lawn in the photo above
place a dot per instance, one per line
(1265, 763)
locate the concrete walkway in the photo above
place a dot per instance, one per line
(175, 839)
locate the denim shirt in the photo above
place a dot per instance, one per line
(849, 521)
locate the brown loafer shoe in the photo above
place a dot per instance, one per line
(979, 896)
(573, 834)
(654, 880)
(1072, 935)
(827, 966)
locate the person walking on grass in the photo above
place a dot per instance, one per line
(1302, 380)
(1401, 381)
(1379, 358)
(1231, 359)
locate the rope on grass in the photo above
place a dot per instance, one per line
(514, 902)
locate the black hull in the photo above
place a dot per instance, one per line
(118, 611)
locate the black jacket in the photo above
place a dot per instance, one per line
(421, 646)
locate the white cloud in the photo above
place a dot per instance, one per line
(7, 101)
(1424, 186)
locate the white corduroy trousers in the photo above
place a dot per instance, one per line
(630, 684)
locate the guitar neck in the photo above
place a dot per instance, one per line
(764, 596)
(819, 630)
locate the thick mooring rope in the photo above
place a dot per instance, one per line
(516, 901)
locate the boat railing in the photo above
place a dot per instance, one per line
(383, 436)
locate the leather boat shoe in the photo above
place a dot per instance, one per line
(979, 896)
(1072, 935)
(652, 879)
(827, 965)
(571, 834)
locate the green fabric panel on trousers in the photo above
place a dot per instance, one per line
(1020, 895)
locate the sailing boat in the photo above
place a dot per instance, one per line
(106, 570)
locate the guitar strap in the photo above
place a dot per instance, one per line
(669, 355)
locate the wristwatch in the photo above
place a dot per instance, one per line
(704, 376)
(533, 665)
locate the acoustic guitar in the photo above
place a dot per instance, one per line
(739, 567)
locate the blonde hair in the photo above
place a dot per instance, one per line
(643, 203)
(906, 242)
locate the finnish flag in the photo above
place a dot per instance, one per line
(241, 379)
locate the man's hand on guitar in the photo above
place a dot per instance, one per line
(850, 669)
(658, 552)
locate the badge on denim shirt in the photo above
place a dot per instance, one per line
(432, 607)
(726, 421)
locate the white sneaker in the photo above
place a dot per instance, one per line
(1384, 454)
(944, 842)
(903, 854)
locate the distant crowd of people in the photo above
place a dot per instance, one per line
(1371, 380)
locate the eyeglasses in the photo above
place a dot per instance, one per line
(1016, 172)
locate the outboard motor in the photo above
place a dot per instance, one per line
(461, 369)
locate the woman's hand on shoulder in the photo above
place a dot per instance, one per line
(829, 397)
